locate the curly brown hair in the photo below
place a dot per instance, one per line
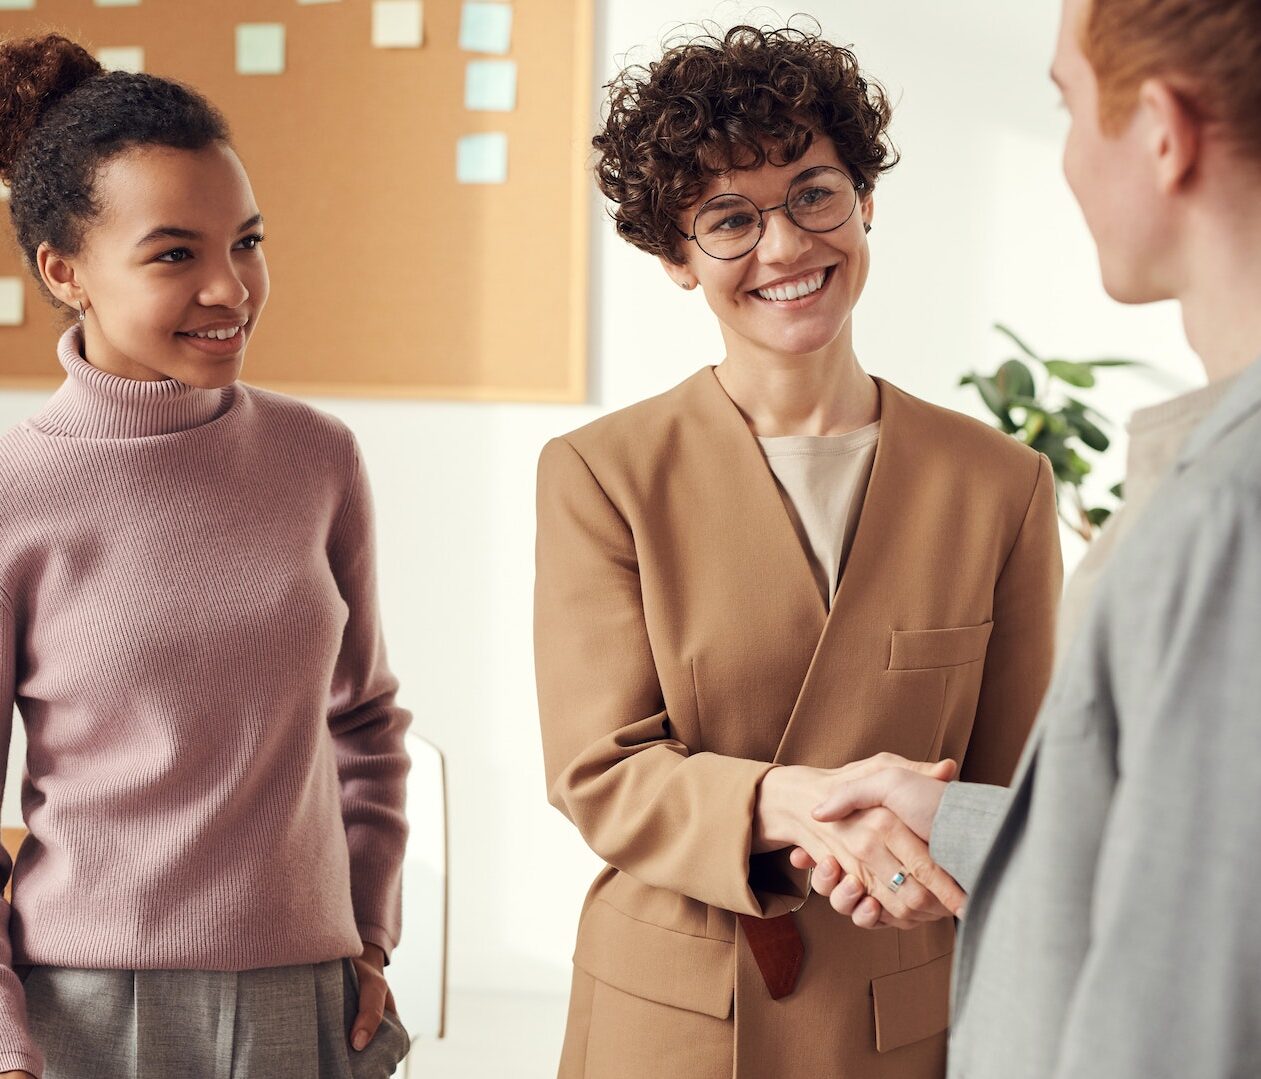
(714, 104)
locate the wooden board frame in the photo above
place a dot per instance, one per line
(506, 320)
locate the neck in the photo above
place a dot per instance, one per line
(819, 393)
(1221, 303)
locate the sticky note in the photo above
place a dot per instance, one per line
(12, 308)
(16, 5)
(319, 1)
(486, 28)
(260, 48)
(490, 85)
(482, 159)
(117, 3)
(122, 58)
(398, 24)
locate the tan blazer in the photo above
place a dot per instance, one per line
(682, 646)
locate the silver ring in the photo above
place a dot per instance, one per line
(899, 879)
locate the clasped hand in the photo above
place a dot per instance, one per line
(859, 826)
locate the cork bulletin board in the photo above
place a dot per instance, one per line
(389, 277)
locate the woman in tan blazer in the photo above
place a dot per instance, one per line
(779, 568)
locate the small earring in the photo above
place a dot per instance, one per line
(685, 286)
(82, 313)
(866, 226)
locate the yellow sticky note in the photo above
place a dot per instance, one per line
(260, 48)
(122, 58)
(12, 302)
(398, 24)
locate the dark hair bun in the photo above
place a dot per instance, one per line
(34, 73)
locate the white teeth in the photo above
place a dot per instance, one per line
(217, 335)
(794, 290)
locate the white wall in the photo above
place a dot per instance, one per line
(975, 225)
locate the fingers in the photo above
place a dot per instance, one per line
(374, 995)
(944, 770)
(851, 796)
(799, 858)
(908, 849)
(827, 875)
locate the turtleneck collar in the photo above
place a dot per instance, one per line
(95, 404)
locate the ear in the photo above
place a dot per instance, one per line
(1172, 131)
(681, 275)
(867, 206)
(59, 275)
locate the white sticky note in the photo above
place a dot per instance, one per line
(490, 85)
(122, 58)
(260, 48)
(117, 3)
(482, 159)
(12, 306)
(398, 24)
(319, 1)
(486, 28)
(16, 5)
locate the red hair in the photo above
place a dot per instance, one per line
(1209, 49)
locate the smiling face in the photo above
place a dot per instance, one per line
(794, 293)
(171, 272)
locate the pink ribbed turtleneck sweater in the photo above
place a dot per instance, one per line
(188, 625)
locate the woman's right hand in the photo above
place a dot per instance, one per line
(871, 845)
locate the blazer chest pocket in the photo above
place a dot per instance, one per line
(929, 649)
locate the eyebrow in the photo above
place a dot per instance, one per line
(170, 232)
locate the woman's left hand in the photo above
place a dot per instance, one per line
(374, 996)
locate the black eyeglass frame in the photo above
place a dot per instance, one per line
(859, 187)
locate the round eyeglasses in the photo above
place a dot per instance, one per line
(729, 226)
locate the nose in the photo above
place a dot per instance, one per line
(782, 241)
(223, 287)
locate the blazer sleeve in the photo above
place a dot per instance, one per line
(18, 1051)
(368, 727)
(641, 799)
(1171, 983)
(1022, 643)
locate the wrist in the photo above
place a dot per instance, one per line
(774, 820)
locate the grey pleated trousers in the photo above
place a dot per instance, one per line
(277, 1023)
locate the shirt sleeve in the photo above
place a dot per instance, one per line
(1171, 984)
(642, 800)
(966, 824)
(368, 727)
(18, 1051)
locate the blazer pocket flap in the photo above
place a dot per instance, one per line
(920, 649)
(912, 1004)
(655, 963)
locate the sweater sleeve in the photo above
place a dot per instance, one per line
(641, 798)
(18, 1051)
(368, 727)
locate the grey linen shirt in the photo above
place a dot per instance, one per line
(1112, 924)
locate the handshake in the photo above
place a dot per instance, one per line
(864, 831)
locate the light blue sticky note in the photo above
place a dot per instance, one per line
(121, 58)
(12, 301)
(16, 5)
(482, 159)
(486, 27)
(117, 3)
(490, 85)
(260, 48)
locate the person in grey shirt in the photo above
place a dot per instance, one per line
(1111, 927)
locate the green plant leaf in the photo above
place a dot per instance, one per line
(1115, 363)
(1091, 435)
(1118, 491)
(1015, 380)
(1080, 467)
(1075, 374)
(994, 398)
(1098, 516)
(1011, 336)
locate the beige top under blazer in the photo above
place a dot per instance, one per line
(683, 647)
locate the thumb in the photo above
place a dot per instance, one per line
(944, 770)
(865, 793)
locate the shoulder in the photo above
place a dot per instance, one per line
(292, 423)
(637, 431)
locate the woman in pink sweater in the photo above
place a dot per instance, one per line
(188, 625)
